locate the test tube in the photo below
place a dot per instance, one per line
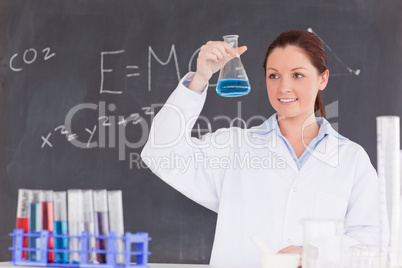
(389, 173)
(24, 199)
(101, 222)
(35, 225)
(48, 219)
(89, 223)
(60, 225)
(115, 203)
(75, 223)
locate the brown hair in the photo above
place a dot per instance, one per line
(313, 48)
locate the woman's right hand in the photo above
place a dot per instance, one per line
(211, 59)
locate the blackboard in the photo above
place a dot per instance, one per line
(105, 64)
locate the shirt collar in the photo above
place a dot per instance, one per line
(271, 124)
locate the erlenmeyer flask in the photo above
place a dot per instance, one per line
(233, 80)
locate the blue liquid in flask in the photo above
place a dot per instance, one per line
(233, 87)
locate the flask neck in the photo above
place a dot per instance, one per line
(231, 40)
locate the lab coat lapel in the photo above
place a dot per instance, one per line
(326, 153)
(278, 146)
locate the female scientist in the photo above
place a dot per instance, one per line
(266, 179)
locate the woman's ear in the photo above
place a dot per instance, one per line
(323, 80)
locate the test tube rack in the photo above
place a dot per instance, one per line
(139, 239)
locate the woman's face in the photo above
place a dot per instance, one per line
(293, 82)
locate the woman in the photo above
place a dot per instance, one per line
(317, 173)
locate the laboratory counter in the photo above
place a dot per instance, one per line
(150, 265)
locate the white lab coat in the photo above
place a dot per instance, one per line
(267, 196)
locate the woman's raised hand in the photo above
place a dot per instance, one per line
(211, 59)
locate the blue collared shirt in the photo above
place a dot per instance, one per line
(325, 129)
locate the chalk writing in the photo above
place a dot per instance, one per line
(113, 127)
(104, 121)
(151, 54)
(133, 70)
(62, 130)
(148, 110)
(91, 135)
(103, 71)
(132, 74)
(135, 118)
(46, 140)
(30, 55)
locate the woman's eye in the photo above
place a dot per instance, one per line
(273, 76)
(297, 75)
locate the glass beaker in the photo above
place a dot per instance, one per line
(233, 80)
(323, 243)
(364, 256)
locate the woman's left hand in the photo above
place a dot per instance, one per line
(293, 250)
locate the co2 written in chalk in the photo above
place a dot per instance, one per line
(30, 56)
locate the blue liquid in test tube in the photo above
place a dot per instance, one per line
(60, 226)
(35, 225)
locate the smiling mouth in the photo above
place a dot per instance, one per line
(287, 100)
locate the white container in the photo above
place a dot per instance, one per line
(280, 260)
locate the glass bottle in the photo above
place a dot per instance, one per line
(233, 80)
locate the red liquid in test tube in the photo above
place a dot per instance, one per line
(22, 223)
(24, 199)
(48, 220)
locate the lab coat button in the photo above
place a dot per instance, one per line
(289, 240)
(294, 189)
